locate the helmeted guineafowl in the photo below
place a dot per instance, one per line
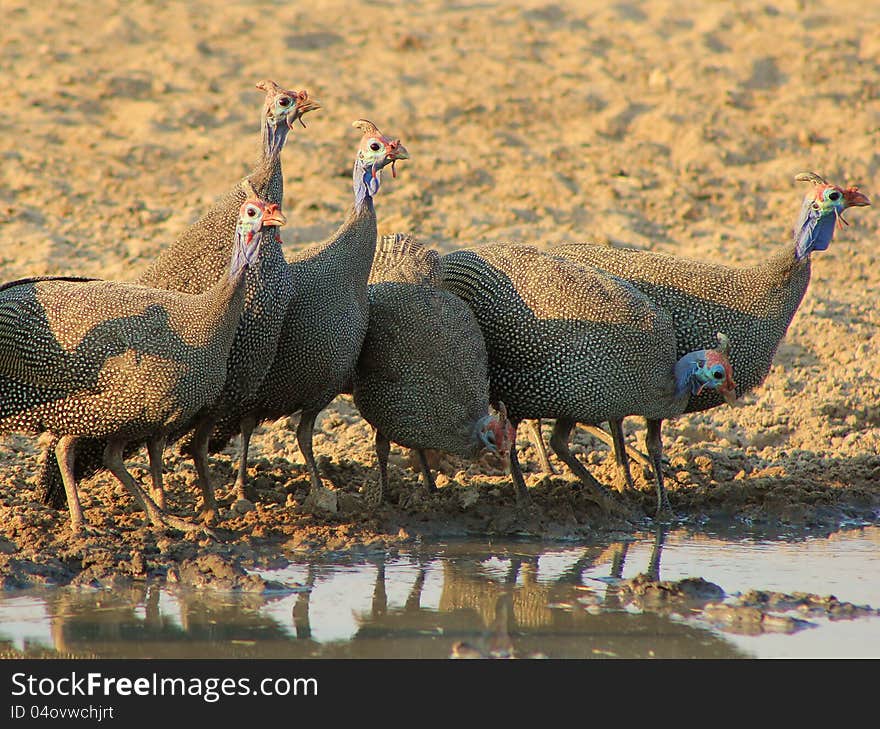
(326, 317)
(121, 362)
(564, 341)
(753, 306)
(421, 379)
(200, 256)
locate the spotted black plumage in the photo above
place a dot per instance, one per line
(565, 341)
(326, 318)
(199, 258)
(121, 362)
(753, 306)
(421, 379)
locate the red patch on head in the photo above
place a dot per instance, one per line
(713, 357)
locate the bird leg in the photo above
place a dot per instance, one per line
(65, 453)
(319, 496)
(522, 492)
(655, 450)
(533, 428)
(376, 492)
(608, 440)
(620, 456)
(114, 463)
(199, 449)
(559, 443)
(247, 425)
(427, 478)
(304, 434)
(156, 451)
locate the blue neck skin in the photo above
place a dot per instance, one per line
(244, 252)
(274, 136)
(365, 185)
(686, 380)
(813, 230)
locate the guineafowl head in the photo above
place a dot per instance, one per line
(254, 217)
(375, 152)
(281, 110)
(707, 368)
(822, 212)
(494, 431)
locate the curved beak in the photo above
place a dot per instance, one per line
(854, 198)
(303, 105)
(272, 215)
(394, 151)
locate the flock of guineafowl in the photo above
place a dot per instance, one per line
(449, 352)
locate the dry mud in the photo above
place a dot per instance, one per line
(665, 125)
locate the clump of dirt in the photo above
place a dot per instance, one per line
(750, 613)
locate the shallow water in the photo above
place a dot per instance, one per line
(511, 598)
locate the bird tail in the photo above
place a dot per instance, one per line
(50, 486)
(403, 259)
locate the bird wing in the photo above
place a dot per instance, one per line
(29, 351)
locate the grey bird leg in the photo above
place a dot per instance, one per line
(156, 451)
(199, 448)
(248, 423)
(559, 443)
(427, 478)
(616, 427)
(376, 492)
(65, 453)
(522, 492)
(114, 463)
(655, 451)
(534, 432)
(608, 440)
(304, 433)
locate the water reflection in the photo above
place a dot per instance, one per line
(517, 599)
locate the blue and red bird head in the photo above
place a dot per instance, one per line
(822, 212)
(707, 368)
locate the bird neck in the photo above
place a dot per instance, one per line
(686, 382)
(267, 178)
(224, 302)
(813, 231)
(365, 182)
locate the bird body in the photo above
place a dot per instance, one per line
(570, 342)
(326, 316)
(120, 362)
(199, 258)
(563, 340)
(753, 306)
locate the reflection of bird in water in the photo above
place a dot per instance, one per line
(129, 622)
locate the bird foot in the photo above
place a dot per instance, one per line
(87, 531)
(173, 522)
(209, 515)
(664, 512)
(322, 499)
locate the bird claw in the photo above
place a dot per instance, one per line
(322, 499)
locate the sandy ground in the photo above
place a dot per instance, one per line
(666, 125)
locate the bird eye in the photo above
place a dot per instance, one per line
(834, 195)
(375, 146)
(718, 373)
(284, 101)
(252, 212)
